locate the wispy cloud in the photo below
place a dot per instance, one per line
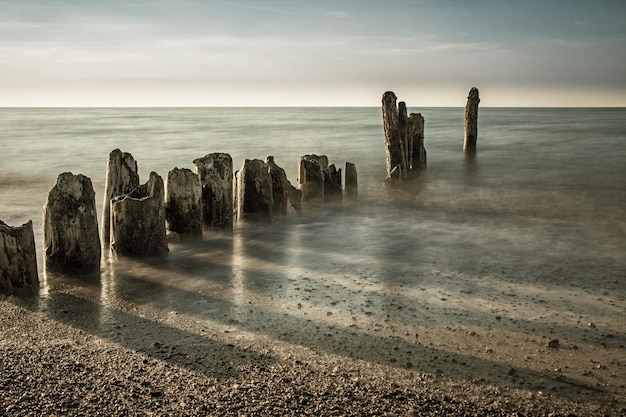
(261, 8)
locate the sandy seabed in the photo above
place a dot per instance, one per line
(133, 344)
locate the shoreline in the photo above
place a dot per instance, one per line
(73, 351)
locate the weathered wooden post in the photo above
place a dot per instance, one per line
(216, 175)
(416, 135)
(351, 187)
(138, 221)
(122, 177)
(280, 185)
(255, 200)
(396, 159)
(311, 179)
(18, 260)
(403, 134)
(285, 193)
(183, 202)
(471, 121)
(333, 190)
(70, 226)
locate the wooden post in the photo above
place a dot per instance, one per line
(71, 239)
(216, 175)
(396, 162)
(311, 179)
(183, 202)
(471, 121)
(351, 187)
(403, 137)
(138, 221)
(416, 134)
(18, 260)
(255, 200)
(333, 190)
(285, 193)
(283, 190)
(280, 187)
(122, 177)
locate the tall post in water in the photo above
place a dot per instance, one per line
(255, 199)
(417, 152)
(471, 121)
(351, 188)
(311, 179)
(403, 137)
(122, 178)
(216, 174)
(393, 142)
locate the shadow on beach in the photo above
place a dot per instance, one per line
(447, 307)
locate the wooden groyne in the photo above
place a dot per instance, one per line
(404, 141)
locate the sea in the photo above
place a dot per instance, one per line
(533, 226)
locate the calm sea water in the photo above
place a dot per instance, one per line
(544, 180)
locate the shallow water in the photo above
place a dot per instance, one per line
(532, 230)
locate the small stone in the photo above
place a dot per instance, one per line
(553, 344)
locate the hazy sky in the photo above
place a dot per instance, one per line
(327, 53)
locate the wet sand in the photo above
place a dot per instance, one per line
(295, 319)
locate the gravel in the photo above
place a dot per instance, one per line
(52, 367)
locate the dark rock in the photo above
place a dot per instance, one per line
(553, 344)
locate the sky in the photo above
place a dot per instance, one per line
(312, 53)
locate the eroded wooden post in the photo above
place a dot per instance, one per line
(122, 177)
(216, 175)
(416, 134)
(393, 142)
(311, 179)
(255, 200)
(18, 260)
(471, 121)
(333, 190)
(403, 137)
(351, 186)
(183, 202)
(138, 221)
(285, 193)
(71, 239)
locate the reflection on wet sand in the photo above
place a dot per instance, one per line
(416, 292)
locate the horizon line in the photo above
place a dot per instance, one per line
(297, 106)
